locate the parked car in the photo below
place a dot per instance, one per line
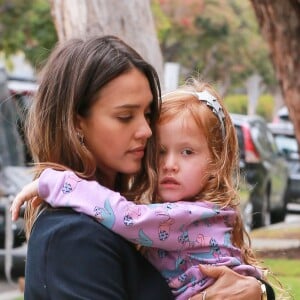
(282, 115)
(284, 135)
(263, 169)
(15, 96)
(13, 178)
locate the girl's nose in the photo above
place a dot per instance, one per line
(169, 163)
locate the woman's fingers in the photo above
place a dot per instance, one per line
(215, 272)
(29, 192)
(230, 285)
(199, 296)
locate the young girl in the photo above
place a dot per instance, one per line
(196, 219)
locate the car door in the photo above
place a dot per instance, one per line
(273, 162)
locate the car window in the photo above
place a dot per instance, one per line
(264, 139)
(272, 141)
(286, 143)
(239, 133)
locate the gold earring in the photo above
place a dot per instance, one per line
(80, 138)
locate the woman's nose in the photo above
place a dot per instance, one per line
(144, 130)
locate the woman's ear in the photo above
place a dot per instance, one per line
(79, 124)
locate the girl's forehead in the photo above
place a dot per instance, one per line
(185, 117)
(181, 132)
(182, 122)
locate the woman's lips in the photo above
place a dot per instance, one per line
(138, 152)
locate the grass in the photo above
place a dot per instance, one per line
(285, 264)
(287, 271)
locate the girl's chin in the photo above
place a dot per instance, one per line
(169, 198)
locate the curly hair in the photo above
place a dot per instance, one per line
(223, 173)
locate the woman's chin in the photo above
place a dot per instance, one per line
(132, 170)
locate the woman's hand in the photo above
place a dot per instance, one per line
(28, 193)
(229, 285)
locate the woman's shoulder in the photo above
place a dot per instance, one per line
(63, 229)
(66, 221)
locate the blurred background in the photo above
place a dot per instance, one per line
(249, 50)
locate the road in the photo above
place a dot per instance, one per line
(10, 291)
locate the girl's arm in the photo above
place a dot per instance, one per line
(153, 225)
(241, 287)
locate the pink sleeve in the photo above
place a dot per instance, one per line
(154, 225)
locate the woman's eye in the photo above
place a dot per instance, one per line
(187, 152)
(125, 118)
(148, 116)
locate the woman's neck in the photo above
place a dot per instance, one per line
(106, 180)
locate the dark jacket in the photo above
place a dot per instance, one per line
(71, 256)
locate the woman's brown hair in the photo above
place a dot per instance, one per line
(69, 84)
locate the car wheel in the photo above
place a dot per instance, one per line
(265, 212)
(262, 214)
(279, 214)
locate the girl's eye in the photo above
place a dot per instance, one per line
(162, 151)
(187, 152)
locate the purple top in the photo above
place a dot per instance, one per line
(178, 236)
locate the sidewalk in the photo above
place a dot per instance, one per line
(10, 291)
(280, 236)
(11, 295)
(275, 244)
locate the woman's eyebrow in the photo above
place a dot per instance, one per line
(128, 106)
(131, 106)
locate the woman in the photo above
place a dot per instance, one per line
(95, 113)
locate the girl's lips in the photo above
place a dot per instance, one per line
(169, 181)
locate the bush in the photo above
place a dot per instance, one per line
(238, 104)
(265, 107)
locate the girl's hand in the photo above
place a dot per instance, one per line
(229, 285)
(28, 193)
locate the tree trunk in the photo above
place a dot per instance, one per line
(278, 100)
(254, 90)
(280, 25)
(131, 20)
